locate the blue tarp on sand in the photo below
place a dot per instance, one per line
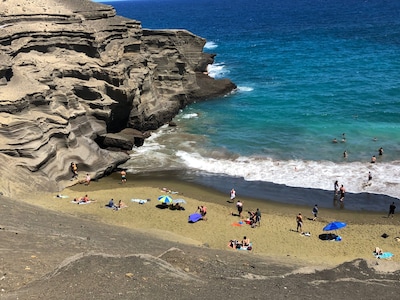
(193, 218)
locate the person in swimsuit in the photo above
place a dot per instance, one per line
(299, 220)
(245, 241)
(342, 192)
(239, 206)
(315, 212)
(336, 187)
(392, 207)
(74, 170)
(380, 151)
(123, 176)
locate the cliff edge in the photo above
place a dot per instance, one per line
(79, 84)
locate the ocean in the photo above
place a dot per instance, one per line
(308, 72)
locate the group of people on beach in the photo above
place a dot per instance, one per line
(114, 206)
(339, 190)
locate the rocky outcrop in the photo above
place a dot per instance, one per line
(74, 77)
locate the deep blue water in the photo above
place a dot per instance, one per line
(307, 71)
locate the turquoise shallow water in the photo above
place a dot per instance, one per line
(307, 72)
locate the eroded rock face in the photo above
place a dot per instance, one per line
(73, 75)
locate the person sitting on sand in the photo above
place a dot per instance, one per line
(234, 244)
(378, 251)
(178, 206)
(245, 241)
(111, 204)
(121, 204)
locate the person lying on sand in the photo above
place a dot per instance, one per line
(169, 191)
(84, 199)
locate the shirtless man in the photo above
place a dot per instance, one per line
(342, 192)
(123, 176)
(299, 220)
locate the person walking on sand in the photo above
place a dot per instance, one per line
(299, 220)
(315, 212)
(392, 207)
(233, 195)
(239, 206)
(342, 192)
(123, 176)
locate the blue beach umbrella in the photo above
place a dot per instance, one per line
(334, 226)
(165, 199)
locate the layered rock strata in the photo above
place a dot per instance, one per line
(79, 83)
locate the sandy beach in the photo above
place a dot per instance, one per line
(276, 237)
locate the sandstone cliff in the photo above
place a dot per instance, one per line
(79, 83)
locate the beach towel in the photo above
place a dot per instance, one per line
(140, 201)
(81, 202)
(61, 196)
(193, 218)
(240, 223)
(384, 255)
(249, 247)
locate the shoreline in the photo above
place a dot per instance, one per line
(273, 193)
(275, 238)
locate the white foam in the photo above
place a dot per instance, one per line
(245, 89)
(210, 45)
(217, 70)
(306, 174)
(189, 116)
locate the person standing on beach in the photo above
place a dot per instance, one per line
(299, 220)
(74, 170)
(239, 206)
(315, 212)
(87, 179)
(336, 187)
(342, 192)
(392, 207)
(233, 195)
(369, 176)
(123, 176)
(258, 217)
